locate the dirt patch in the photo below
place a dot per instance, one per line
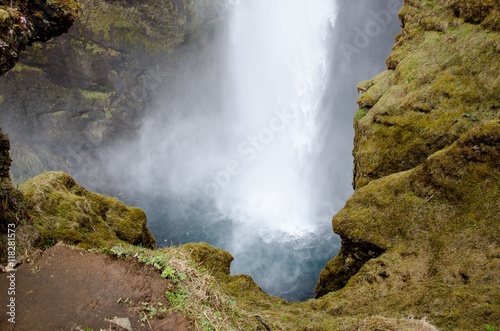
(70, 289)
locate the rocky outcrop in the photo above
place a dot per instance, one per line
(63, 210)
(12, 207)
(23, 23)
(420, 234)
(438, 225)
(441, 81)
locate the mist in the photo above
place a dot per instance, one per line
(248, 144)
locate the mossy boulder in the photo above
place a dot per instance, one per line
(63, 210)
(215, 261)
(442, 81)
(438, 228)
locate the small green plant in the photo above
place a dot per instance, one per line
(49, 243)
(150, 311)
(207, 325)
(157, 262)
(118, 251)
(489, 327)
(177, 299)
(168, 272)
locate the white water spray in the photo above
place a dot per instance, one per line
(248, 147)
(278, 69)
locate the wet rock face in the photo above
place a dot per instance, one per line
(25, 22)
(5, 160)
(69, 98)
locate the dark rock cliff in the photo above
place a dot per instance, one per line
(53, 206)
(23, 23)
(12, 206)
(71, 97)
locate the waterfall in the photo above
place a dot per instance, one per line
(277, 66)
(248, 145)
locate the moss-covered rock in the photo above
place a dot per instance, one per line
(216, 261)
(421, 235)
(442, 80)
(24, 22)
(438, 225)
(63, 210)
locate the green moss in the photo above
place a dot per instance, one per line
(135, 27)
(94, 48)
(439, 77)
(63, 210)
(361, 113)
(21, 67)
(98, 100)
(96, 95)
(437, 224)
(4, 15)
(108, 112)
(214, 260)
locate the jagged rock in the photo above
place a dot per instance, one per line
(63, 210)
(25, 22)
(351, 257)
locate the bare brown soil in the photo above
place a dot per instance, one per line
(70, 289)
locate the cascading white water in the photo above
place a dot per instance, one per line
(248, 147)
(278, 70)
